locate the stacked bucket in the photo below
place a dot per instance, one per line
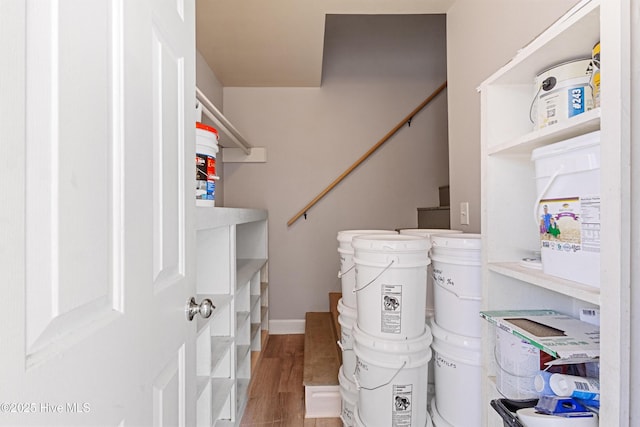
(347, 319)
(456, 328)
(389, 338)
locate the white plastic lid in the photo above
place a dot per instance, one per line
(566, 146)
(460, 341)
(428, 232)
(345, 236)
(457, 241)
(391, 242)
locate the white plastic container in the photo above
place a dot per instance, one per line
(347, 318)
(567, 210)
(391, 277)
(518, 364)
(566, 385)
(349, 393)
(428, 232)
(392, 378)
(347, 273)
(438, 421)
(457, 279)
(458, 372)
(206, 152)
(562, 92)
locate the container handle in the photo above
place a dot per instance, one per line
(355, 377)
(340, 273)
(553, 177)
(462, 297)
(375, 278)
(342, 348)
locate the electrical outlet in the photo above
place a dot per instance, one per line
(464, 213)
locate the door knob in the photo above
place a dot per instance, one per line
(205, 308)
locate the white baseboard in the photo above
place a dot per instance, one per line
(286, 327)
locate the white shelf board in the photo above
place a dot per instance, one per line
(221, 388)
(586, 122)
(538, 278)
(255, 328)
(220, 346)
(242, 352)
(214, 217)
(254, 301)
(241, 318)
(201, 385)
(246, 268)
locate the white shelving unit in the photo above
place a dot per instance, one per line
(232, 272)
(508, 193)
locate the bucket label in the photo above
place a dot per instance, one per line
(402, 397)
(442, 362)
(391, 296)
(570, 224)
(576, 101)
(205, 173)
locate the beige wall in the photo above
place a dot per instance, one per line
(481, 37)
(377, 69)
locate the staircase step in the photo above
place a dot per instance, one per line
(321, 355)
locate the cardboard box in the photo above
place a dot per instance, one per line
(554, 333)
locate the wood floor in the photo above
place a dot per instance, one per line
(276, 396)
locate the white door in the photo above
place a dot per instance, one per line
(96, 194)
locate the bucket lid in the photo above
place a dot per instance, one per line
(457, 241)
(387, 347)
(208, 128)
(391, 243)
(459, 341)
(345, 236)
(345, 382)
(573, 144)
(428, 232)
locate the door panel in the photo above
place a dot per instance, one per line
(71, 174)
(97, 158)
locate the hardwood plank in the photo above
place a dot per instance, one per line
(276, 396)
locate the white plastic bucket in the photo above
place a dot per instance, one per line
(346, 319)
(392, 378)
(349, 393)
(458, 372)
(347, 273)
(562, 92)
(206, 151)
(391, 277)
(438, 421)
(518, 363)
(428, 232)
(568, 185)
(457, 278)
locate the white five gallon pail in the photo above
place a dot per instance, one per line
(562, 92)
(349, 393)
(392, 378)
(206, 151)
(518, 364)
(438, 421)
(456, 260)
(428, 232)
(347, 273)
(346, 319)
(458, 372)
(391, 277)
(567, 210)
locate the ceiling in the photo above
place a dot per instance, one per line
(279, 43)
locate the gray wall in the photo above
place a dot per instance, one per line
(376, 70)
(482, 36)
